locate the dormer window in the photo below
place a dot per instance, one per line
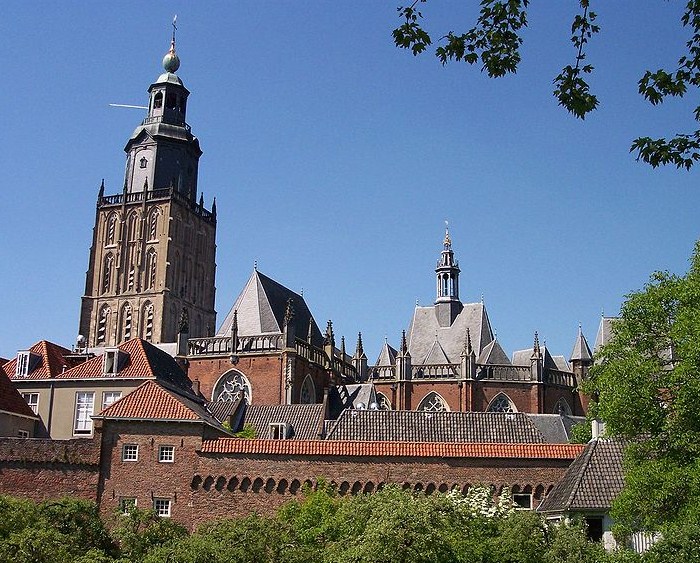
(26, 362)
(111, 361)
(278, 431)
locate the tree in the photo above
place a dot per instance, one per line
(495, 42)
(647, 386)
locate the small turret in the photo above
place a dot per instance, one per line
(581, 356)
(359, 360)
(448, 305)
(536, 360)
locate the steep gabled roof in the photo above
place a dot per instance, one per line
(423, 426)
(522, 358)
(140, 360)
(304, 422)
(493, 354)
(10, 399)
(159, 401)
(52, 361)
(436, 355)
(261, 308)
(424, 327)
(581, 351)
(592, 481)
(387, 356)
(604, 332)
(556, 428)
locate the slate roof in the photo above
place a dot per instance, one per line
(305, 422)
(387, 355)
(341, 397)
(493, 354)
(592, 481)
(158, 401)
(522, 358)
(261, 308)
(424, 326)
(556, 428)
(10, 399)
(141, 360)
(422, 426)
(581, 350)
(390, 449)
(52, 359)
(604, 332)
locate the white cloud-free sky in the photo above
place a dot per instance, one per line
(335, 159)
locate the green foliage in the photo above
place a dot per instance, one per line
(568, 544)
(140, 531)
(647, 385)
(581, 433)
(248, 431)
(495, 42)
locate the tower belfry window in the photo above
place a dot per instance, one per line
(158, 100)
(143, 162)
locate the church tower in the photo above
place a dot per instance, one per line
(152, 260)
(448, 305)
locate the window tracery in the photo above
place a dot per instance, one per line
(433, 402)
(383, 402)
(501, 403)
(103, 323)
(307, 396)
(147, 322)
(126, 322)
(151, 268)
(562, 407)
(233, 386)
(107, 272)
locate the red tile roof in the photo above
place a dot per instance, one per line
(391, 449)
(150, 401)
(52, 361)
(10, 399)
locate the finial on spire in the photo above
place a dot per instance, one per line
(447, 243)
(213, 207)
(342, 348)
(404, 345)
(255, 265)
(171, 62)
(101, 193)
(359, 350)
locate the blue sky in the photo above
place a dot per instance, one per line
(335, 159)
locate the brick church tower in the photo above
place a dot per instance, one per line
(152, 260)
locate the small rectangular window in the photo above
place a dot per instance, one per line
(84, 405)
(23, 433)
(32, 400)
(108, 397)
(110, 365)
(166, 454)
(130, 452)
(162, 507)
(126, 504)
(24, 361)
(278, 431)
(523, 501)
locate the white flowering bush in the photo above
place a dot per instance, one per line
(480, 502)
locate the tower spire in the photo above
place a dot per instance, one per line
(448, 305)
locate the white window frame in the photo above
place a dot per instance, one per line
(127, 504)
(162, 507)
(23, 433)
(166, 454)
(29, 398)
(110, 362)
(24, 359)
(116, 394)
(84, 409)
(130, 452)
(277, 431)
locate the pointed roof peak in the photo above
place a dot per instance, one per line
(447, 242)
(171, 62)
(581, 350)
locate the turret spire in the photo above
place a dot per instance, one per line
(171, 62)
(448, 305)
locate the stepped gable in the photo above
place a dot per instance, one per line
(52, 361)
(592, 481)
(138, 360)
(159, 401)
(391, 449)
(424, 329)
(422, 426)
(261, 309)
(11, 401)
(304, 422)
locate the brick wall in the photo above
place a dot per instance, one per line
(41, 469)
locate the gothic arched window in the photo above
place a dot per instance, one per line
(562, 407)
(233, 386)
(147, 322)
(307, 395)
(111, 230)
(383, 402)
(151, 268)
(103, 324)
(107, 273)
(433, 402)
(132, 226)
(501, 403)
(153, 224)
(126, 322)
